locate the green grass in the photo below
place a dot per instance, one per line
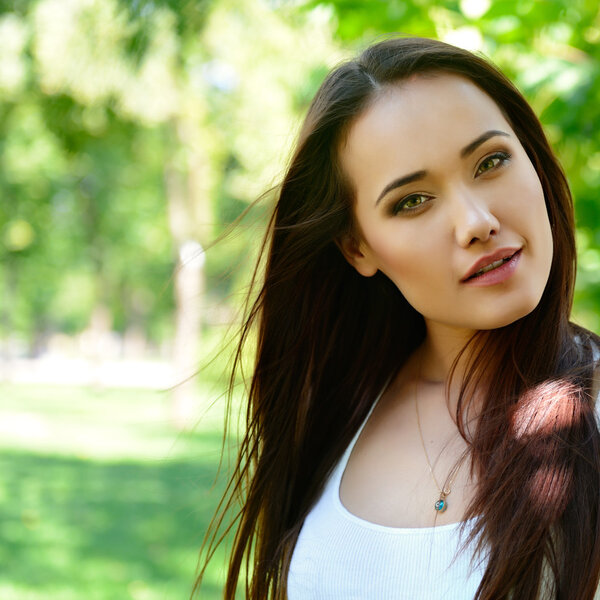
(100, 499)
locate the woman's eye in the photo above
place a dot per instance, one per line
(492, 162)
(410, 203)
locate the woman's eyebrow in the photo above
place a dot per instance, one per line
(484, 137)
(417, 175)
(400, 182)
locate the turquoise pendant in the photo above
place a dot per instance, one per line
(441, 505)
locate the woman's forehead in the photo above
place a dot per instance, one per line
(418, 120)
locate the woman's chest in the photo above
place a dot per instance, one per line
(341, 555)
(397, 472)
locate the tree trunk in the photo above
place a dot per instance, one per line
(190, 224)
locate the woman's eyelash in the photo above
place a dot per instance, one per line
(501, 156)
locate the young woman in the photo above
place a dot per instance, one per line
(421, 418)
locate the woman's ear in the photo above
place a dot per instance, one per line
(355, 255)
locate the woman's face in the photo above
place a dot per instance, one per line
(448, 204)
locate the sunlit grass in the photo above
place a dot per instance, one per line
(101, 498)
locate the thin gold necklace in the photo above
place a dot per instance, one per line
(441, 504)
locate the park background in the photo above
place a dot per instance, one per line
(134, 136)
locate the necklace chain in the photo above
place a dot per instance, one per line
(441, 504)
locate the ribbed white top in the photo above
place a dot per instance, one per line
(341, 556)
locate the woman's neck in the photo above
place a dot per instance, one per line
(433, 361)
(439, 351)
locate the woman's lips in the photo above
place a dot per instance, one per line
(496, 275)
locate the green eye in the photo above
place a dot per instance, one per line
(492, 162)
(410, 203)
(488, 163)
(414, 201)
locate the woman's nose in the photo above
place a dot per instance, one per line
(473, 219)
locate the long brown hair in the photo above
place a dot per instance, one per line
(328, 342)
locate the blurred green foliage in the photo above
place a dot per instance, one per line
(127, 129)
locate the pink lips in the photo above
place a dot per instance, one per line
(498, 274)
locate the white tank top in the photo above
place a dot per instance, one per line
(341, 556)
